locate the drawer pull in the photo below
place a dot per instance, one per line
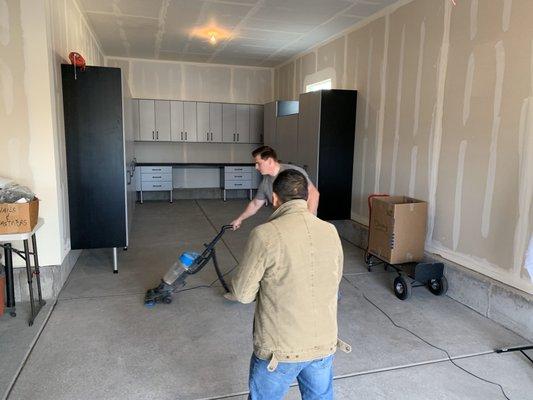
(156, 177)
(157, 185)
(156, 169)
(238, 176)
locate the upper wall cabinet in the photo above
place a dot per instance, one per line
(209, 117)
(154, 120)
(183, 121)
(189, 121)
(236, 123)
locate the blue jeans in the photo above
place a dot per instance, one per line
(315, 379)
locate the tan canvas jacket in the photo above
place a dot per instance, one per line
(292, 267)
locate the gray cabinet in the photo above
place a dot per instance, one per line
(183, 121)
(242, 123)
(154, 120)
(236, 123)
(287, 139)
(155, 179)
(135, 119)
(215, 121)
(146, 120)
(241, 177)
(209, 119)
(325, 147)
(308, 134)
(228, 123)
(256, 124)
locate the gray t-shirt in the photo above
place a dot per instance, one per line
(264, 192)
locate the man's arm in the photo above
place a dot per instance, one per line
(312, 199)
(245, 282)
(252, 208)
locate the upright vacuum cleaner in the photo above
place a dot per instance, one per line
(189, 263)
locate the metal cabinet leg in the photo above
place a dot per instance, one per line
(115, 260)
(37, 269)
(171, 196)
(30, 279)
(224, 194)
(250, 194)
(141, 196)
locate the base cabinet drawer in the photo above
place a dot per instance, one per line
(156, 186)
(156, 170)
(238, 184)
(156, 177)
(238, 169)
(238, 176)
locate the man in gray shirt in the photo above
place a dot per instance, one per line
(266, 162)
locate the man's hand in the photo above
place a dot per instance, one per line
(236, 224)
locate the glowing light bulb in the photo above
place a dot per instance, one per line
(212, 38)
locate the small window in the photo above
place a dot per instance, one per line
(326, 84)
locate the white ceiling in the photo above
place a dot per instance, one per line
(262, 32)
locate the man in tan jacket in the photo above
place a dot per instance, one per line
(292, 267)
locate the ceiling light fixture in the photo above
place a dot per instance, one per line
(212, 38)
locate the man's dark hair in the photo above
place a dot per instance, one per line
(265, 152)
(290, 185)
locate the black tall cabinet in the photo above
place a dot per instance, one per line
(94, 137)
(326, 134)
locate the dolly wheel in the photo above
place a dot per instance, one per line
(438, 286)
(402, 288)
(167, 300)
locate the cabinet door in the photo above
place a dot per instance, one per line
(162, 120)
(242, 123)
(256, 124)
(135, 119)
(228, 123)
(176, 121)
(215, 121)
(308, 134)
(189, 121)
(202, 122)
(146, 120)
(269, 124)
(287, 139)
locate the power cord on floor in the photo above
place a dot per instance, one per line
(424, 340)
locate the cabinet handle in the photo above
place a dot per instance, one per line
(157, 134)
(211, 136)
(238, 176)
(157, 185)
(186, 136)
(153, 135)
(233, 137)
(156, 169)
(238, 140)
(156, 177)
(207, 136)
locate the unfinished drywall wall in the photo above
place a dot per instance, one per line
(30, 112)
(170, 80)
(444, 114)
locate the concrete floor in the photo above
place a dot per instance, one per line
(100, 342)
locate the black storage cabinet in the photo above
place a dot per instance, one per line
(326, 134)
(94, 137)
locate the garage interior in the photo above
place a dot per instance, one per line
(444, 114)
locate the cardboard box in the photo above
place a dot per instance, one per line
(398, 229)
(18, 218)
